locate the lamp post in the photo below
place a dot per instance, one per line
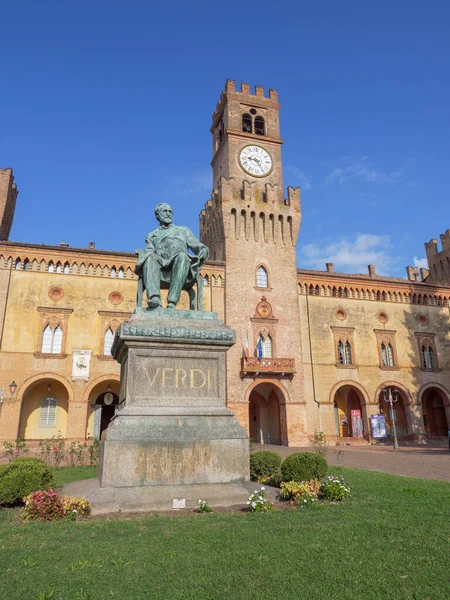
(390, 396)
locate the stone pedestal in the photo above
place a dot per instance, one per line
(172, 427)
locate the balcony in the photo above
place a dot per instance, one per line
(281, 367)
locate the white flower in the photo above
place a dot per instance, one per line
(263, 488)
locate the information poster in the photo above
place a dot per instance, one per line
(378, 426)
(357, 425)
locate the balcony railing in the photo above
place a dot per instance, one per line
(278, 366)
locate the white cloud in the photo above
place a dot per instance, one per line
(360, 170)
(299, 176)
(420, 263)
(351, 254)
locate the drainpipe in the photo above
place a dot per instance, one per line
(312, 362)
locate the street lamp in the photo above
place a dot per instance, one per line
(13, 388)
(391, 395)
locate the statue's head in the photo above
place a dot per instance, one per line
(164, 213)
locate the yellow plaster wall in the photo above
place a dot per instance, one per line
(31, 407)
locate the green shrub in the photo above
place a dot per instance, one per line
(335, 488)
(21, 477)
(264, 463)
(304, 466)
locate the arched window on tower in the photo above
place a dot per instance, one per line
(247, 123)
(66, 268)
(121, 273)
(113, 272)
(18, 264)
(262, 278)
(58, 267)
(47, 417)
(51, 267)
(264, 347)
(109, 339)
(260, 126)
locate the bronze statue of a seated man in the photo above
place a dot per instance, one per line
(166, 258)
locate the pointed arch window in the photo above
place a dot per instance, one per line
(262, 278)
(26, 265)
(121, 273)
(47, 416)
(66, 268)
(52, 340)
(344, 353)
(260, 128)
(387, 355)
(18, 264)
(113, 272)
(428, 362)
(265, 346)
(51, 267)
(58, 267)
(109, 339)
(247, 126)
(206, 280)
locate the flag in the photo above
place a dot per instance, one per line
(259, 349)
(246, 349)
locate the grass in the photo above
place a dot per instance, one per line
(67, 474)
(390, 540)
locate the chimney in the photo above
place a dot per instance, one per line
(329, 267)
(371, 269)
(91, 245)
(64, 244)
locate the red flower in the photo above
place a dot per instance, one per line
(55, 448)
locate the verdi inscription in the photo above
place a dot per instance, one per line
(170, 381)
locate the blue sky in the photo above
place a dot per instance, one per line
(106, 109)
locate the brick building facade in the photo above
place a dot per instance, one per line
(315, 350)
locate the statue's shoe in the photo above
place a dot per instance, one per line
(154, 302)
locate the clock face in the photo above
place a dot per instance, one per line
(255, 161)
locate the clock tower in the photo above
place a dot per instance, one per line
(253, 227)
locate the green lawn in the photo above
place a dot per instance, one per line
(67, 474)
(390, 541)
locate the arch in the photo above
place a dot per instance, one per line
(247, 125)
(31, 396)
(438, 386)
(66, 269)
(18, 264)
(93, 384)
(401, 387)
(267, 412)
(402, 408)
(274, 382)
(350, 411)
(352, 383)
(28, 383)
(260, 126)
(435, 403)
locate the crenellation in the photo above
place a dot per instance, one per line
(259, 91)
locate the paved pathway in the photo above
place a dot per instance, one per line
(429, 462)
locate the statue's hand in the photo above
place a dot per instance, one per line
(203, 253)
